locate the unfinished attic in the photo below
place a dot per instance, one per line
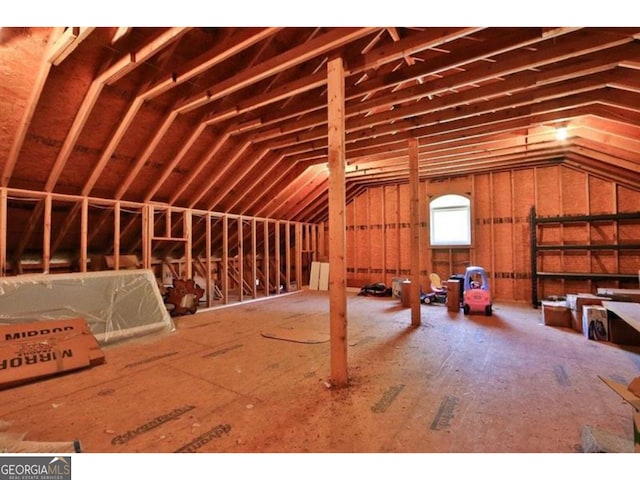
(298, 165)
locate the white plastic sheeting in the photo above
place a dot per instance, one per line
(115, 304)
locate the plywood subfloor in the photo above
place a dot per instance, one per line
(457, 383)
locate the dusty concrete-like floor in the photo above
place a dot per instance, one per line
(504, 383)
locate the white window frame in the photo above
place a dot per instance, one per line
(455, 205)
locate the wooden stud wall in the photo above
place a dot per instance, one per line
(378, 236)
(391, 259)
(376, 240)
(482, 225)
(523, 186)
(159, 235)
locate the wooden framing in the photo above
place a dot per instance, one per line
(240, 257)
(158, 226)
(225, 259)
(266, 258)
(3, 231)
(299, 248)
(337, 224)
(287, 255)
(277, 259)
(254, 256)
(46, 237)
(415, 231)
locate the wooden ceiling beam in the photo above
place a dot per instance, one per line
(607, 139)
(584, 161)
(311, 199)
(203, 163)
(117, 70)
(220, 168)
(237, 177)
(491, 164)
(284, 175)
(402, 48)
(521, 81)
(294, 56)
(298, 192)
(613, 127)
(436, 124)
(508, 42)
(319, 79)
(149, 148)
(232, 46)
(27, 116)
(429, 163)
(608, 155)
(253, 179)
(170, 167)
(67, 43)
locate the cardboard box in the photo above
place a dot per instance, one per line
(453, 295)
(620, 332)
(556, 314)
(630, 395)
(576, 302)
(620, 294)
(34, 350)
(42, 328)
(595, 323)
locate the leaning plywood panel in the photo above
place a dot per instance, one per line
(116, 304)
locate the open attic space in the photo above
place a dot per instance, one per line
(249, 159)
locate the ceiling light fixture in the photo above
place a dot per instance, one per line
(561, 133)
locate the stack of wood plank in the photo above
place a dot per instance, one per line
(39, 349)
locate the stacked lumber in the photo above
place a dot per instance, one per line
(39, 349)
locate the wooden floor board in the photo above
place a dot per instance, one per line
(505, 383)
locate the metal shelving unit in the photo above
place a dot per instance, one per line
(536, 274)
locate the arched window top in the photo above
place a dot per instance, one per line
(450, 200)
(450, 220)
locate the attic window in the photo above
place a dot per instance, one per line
(450, 220)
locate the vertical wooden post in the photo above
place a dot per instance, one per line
(84, 230)
(383, 206)
(277, 261)
(369, 231)
(188, 256)
(287, 255)
(414, 185)
(492, 239)
(265, 258)
(254, 259)
(147, 234)
(116, 236)
(298, 249)
(167, 222)
(314, 242)
(46, 240)
(322, 241)
(307, 235)
(207, 253)
(240, 258)
(354, 243)
(398, 242)
(3, 231)
(337, 233)
(224, 277)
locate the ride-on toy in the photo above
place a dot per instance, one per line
(477, 294)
